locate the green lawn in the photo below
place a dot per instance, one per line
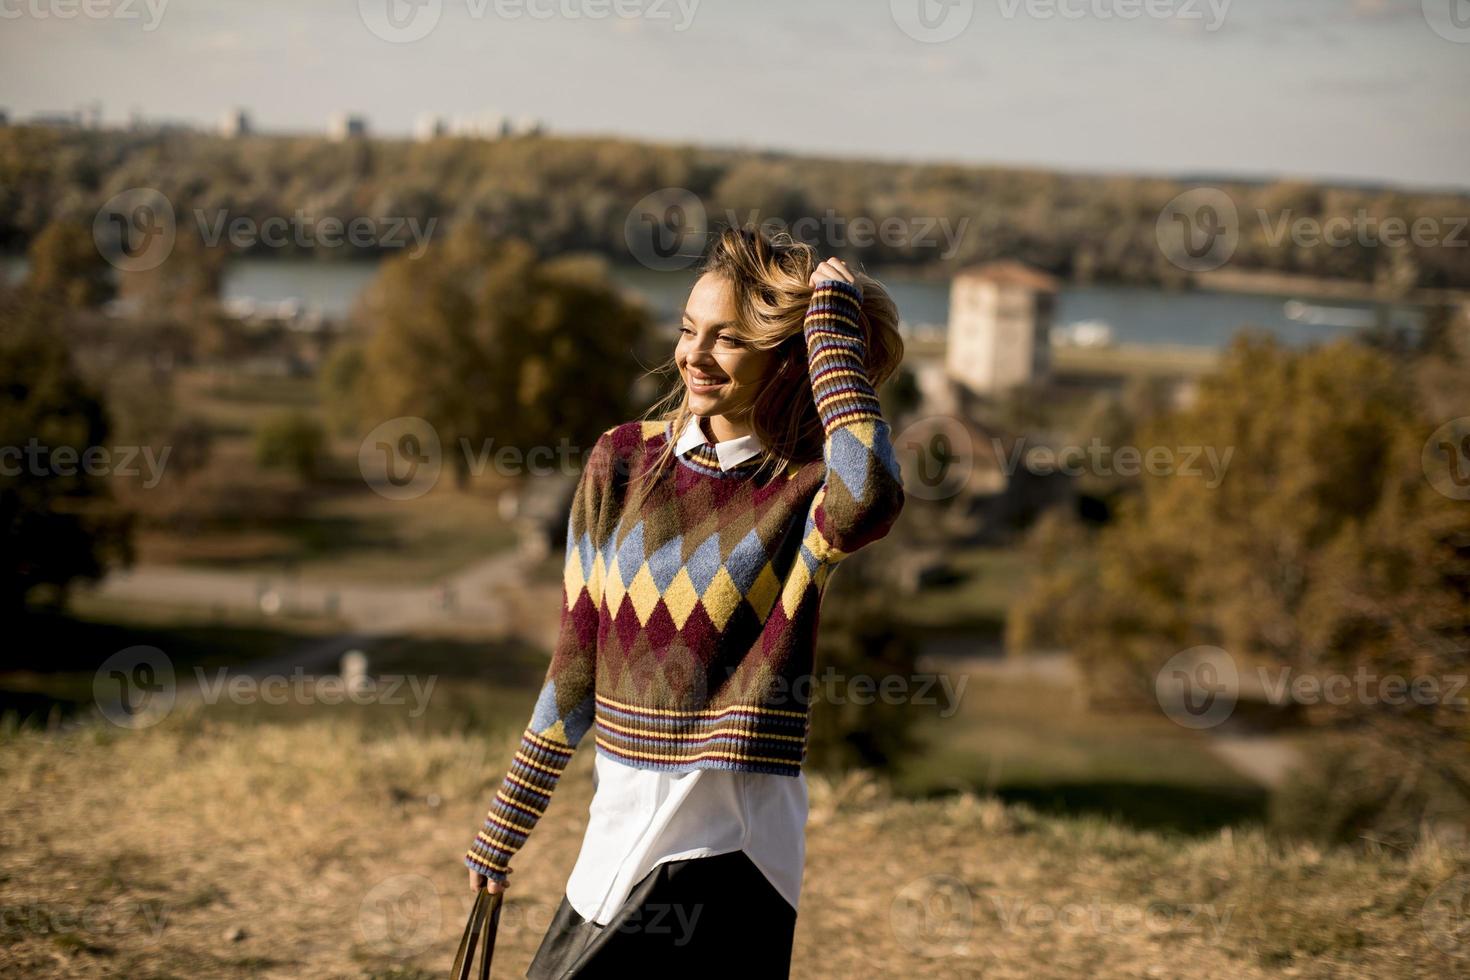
(988, 580)
(234, 515)
(52, 662)
(449, 683)
(1030, 740)
(348, 534)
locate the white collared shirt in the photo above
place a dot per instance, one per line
(641, 818)
(730, 452)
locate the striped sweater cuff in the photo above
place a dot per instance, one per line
(518, 804)
(835, 347)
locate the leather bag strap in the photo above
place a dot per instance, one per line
(465, 958)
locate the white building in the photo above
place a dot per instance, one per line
(343, 126)
(487, 125)
(235, 123)
(480, 125)
(429, 127)
(999, 327)
(527, 126)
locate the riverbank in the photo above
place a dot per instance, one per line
(1259, 282)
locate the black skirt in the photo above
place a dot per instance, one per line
(713, 916)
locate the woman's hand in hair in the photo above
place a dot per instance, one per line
(834, 268)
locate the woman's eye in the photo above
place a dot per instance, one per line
(731, 341)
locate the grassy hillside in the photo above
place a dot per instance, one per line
(210, 848)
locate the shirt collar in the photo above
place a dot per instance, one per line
(730, 452)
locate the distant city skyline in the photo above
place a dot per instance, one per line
(1361, 91)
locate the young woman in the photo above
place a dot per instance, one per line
(698, 547)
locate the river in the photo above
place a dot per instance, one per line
(1134, 314)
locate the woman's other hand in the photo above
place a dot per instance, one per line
(479, 882)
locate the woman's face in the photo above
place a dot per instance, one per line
(720, 371)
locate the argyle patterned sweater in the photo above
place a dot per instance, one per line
(689, 623)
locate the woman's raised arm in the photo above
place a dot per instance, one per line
(863, 491)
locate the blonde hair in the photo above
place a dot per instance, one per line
(770, 277)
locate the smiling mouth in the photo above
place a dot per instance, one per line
(700, 382)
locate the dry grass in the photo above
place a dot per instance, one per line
(202, 848)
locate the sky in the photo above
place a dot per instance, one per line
(1355, 90)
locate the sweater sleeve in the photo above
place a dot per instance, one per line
(564, 708)
(863, 491)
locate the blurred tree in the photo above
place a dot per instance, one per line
(487, 342)
(341, 386)
(292, 441)
(144, 406)
(66, 268)
(561, 194)
(184, 287)
(856, 720)
(901, 395)
(58, 520)
(1062, 549)
(1324, 551)
(1114, 421)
